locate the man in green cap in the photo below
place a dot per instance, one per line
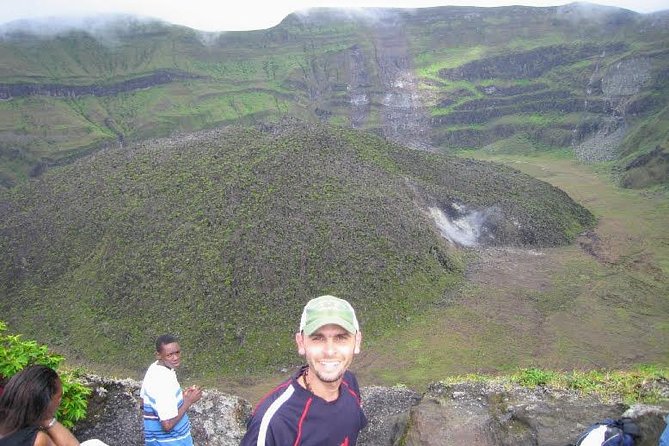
(320, 404)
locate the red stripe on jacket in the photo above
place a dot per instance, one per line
(352, 392)
(301, 422)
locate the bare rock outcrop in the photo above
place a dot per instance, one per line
(158, 77)
(472, 414)
(387, 411)
(487, 414)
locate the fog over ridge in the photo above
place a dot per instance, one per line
(104, 26)
(55, 16)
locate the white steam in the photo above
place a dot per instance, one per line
(464, 230)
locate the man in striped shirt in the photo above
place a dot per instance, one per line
(320, 404)
(164, 404)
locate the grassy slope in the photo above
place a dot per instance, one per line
(557, 308)
(242, 77)
(222, 236)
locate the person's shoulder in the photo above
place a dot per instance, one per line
(42, 439)
(351, 383)
(350, 379)
(283, 390)
(152, 369)
(157, 374)
(24, 435)
(349, 374)
(158, 369)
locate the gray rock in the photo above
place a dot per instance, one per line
(480, 414)
(469, 414)
(219, 419)
(650, 420)
(387, 410)
(114, 415)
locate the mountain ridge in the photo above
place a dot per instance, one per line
(355, 69)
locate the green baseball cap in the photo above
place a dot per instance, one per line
(325, 310)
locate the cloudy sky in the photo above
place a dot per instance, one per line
(221, 15)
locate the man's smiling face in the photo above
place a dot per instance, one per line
(328, 351)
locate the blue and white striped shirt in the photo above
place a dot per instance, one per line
(161, 399)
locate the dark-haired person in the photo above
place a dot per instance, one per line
(28, 407)
(164, 404)
(320, 404)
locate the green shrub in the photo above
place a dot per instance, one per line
(16, 354)
(533, 377)
(637, 385)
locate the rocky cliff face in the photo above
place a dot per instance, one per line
(470, 414)
(160, 77)
(617, 86)
(404, 115)
(489, 414)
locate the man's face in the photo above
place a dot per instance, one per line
(329, 351)
(169, 355)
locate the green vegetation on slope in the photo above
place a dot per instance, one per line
(600, 303)
(222, 236)
(634, 386)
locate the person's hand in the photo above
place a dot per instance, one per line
(192, 394)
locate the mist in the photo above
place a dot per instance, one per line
(106, 27)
